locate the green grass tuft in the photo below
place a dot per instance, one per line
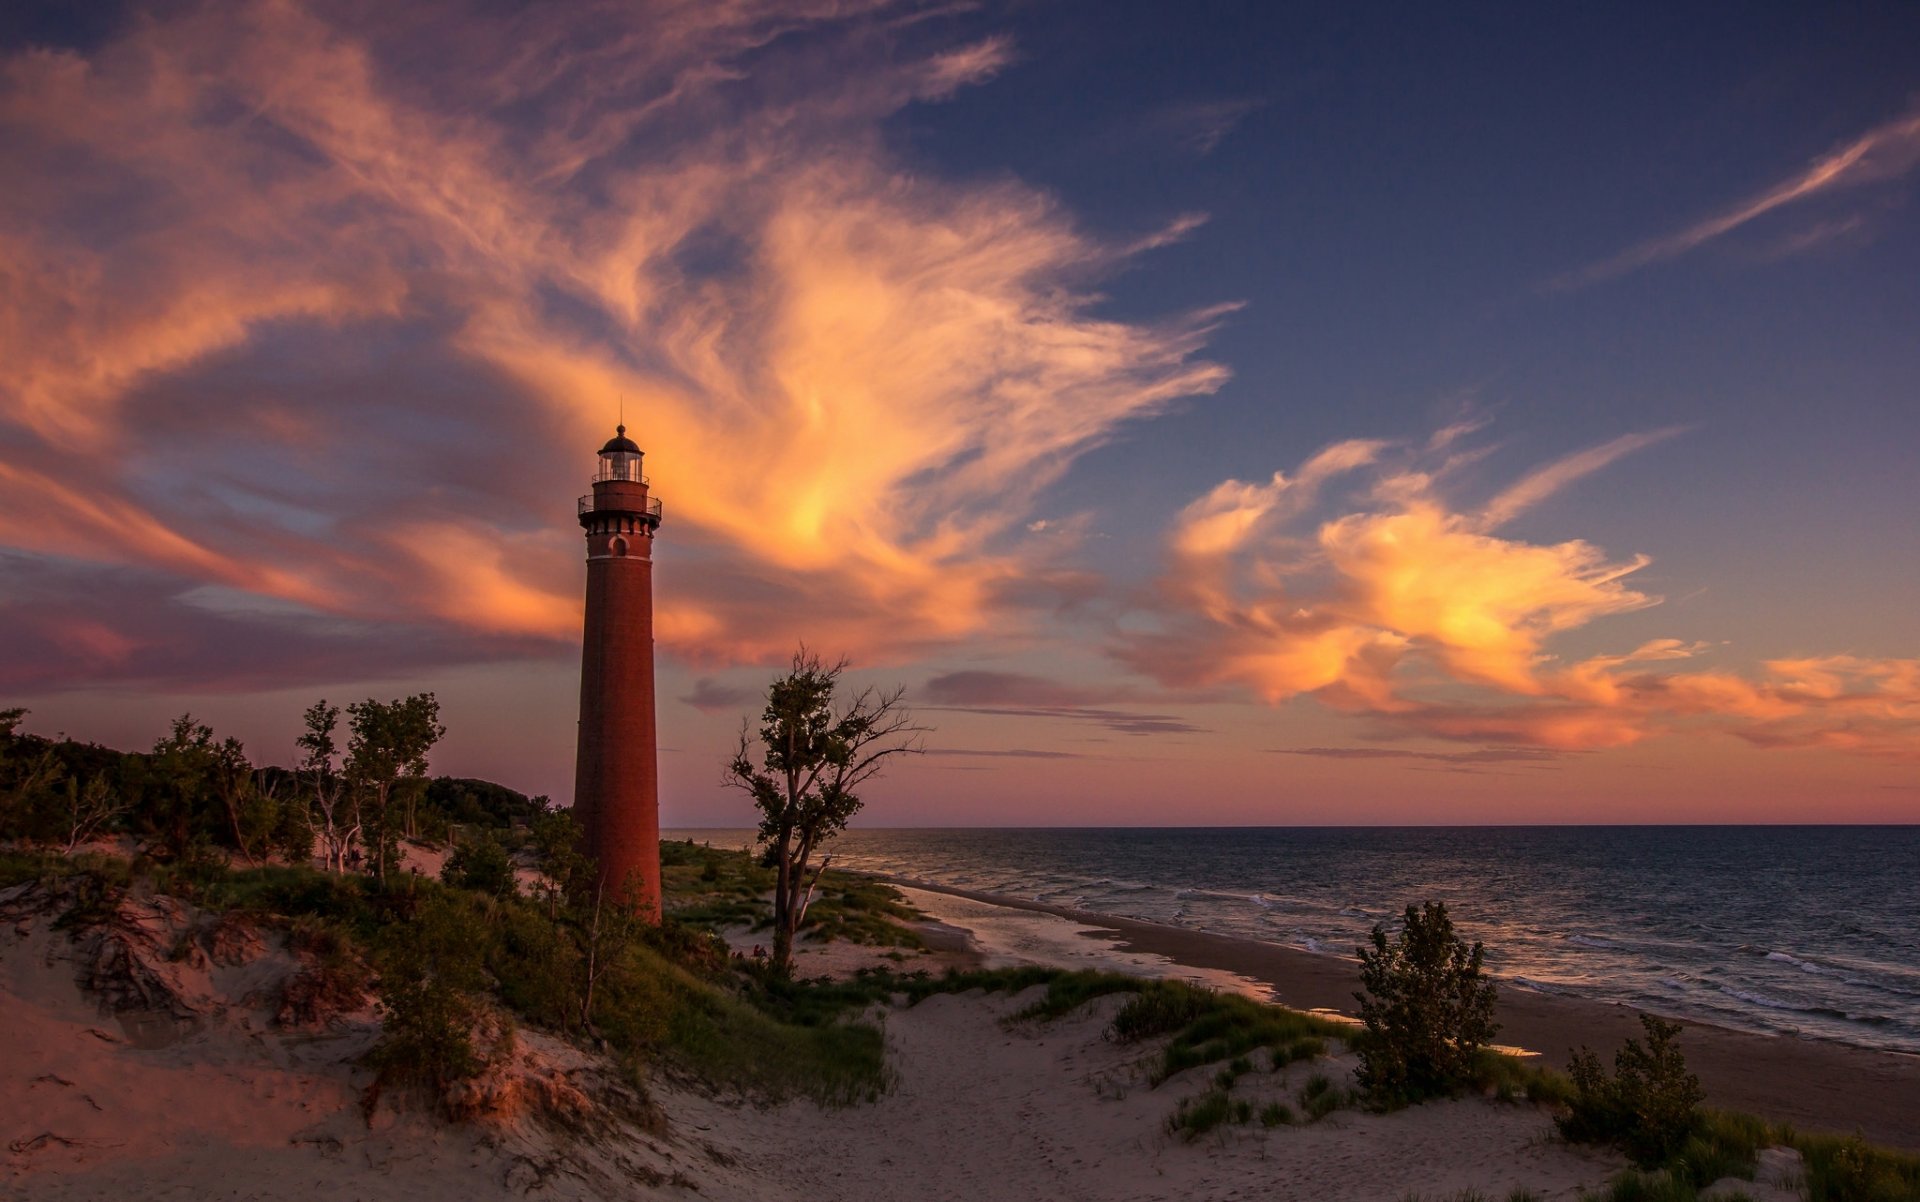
(1194, 1117)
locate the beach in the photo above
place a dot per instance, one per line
(1813, 1084)
(224, 1102)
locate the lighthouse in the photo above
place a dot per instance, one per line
(616, 790)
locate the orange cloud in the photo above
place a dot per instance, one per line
(852, 381)
(1412, 612)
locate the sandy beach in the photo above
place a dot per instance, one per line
(1812, 1084)
(218, 1098)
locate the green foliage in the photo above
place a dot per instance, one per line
(1636, 1186)
(860, 910)
(480, 803)
(1851, 1170)
(1320, 1097)
(179, 791)
(1427, 1008)
(1277, 1114)
(1194, 1117)
(1511, 1079)
(734, 1042)
(1232, 1026)
(813, 756)
(385, 769)
(430, 969)
(481, 865)
(1159, 1008)
(1650, 1106)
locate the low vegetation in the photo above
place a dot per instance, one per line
(1427, 1004)
(510, 938)
(1649, 1108)
(456, 965)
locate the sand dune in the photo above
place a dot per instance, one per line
(174, 1072)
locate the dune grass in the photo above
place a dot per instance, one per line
(720, 887)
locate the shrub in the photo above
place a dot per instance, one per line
(1196, 1116)
(1319, 1097)
(430, 967)
(1161, 1007)
(1851, 1170)
(1427, 1007)
(481, 865)
(1649, 1108)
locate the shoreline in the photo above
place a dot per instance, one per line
(1816, 1085)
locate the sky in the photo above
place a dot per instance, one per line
(1211, 414)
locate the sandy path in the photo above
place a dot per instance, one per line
(1056, 1111)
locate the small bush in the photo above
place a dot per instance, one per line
(1160, 1008)
(1319, 1097)
(1427, 1007)
(1851, 1170)
(1295, 1050)
(481, 865)
(1649, 1108)
(1277, 1114)
(429, 969)
(1633, 1186)
(1194, 1117)
(1231, 1026)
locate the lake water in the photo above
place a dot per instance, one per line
(1809, 930)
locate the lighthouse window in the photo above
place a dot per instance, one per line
(619, 547)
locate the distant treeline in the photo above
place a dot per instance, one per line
(357, 789)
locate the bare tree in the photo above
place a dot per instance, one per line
(90, 808)
(325, 786)
(233, 781)
(812, 757)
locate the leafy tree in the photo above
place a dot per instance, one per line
(600, 928)
(1427, 1006)
(180, 782)
(1648, 1108)
(386, 768)
(251, 813)
(812, 756)
(28, 768)
(292, 832)
(564, 872)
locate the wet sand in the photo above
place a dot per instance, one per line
(1812, 1084)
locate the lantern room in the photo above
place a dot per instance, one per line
(620, 459)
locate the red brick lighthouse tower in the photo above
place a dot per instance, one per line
(616, 791)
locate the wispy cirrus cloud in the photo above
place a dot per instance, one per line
(1018, 695)
(1389, 601)
(1883, 153)
(852, 379)
(1200, 126)
(1478, 760)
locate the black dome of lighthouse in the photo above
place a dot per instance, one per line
(620, 444)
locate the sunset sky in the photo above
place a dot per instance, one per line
(1212, 413)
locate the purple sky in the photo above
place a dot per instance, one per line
(1211, 414)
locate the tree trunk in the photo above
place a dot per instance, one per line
(800, 918)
